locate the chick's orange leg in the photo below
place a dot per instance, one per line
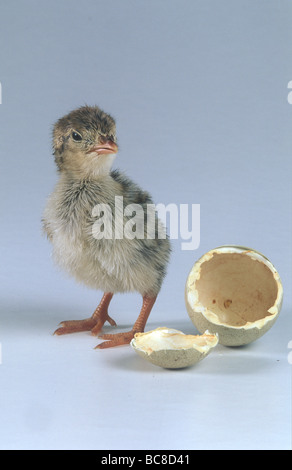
(93, 324)
(125, 338)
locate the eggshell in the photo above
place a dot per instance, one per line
(172, 349)
(235, 292)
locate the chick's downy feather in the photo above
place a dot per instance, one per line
(114, 265)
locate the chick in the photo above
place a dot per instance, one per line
(85, 146)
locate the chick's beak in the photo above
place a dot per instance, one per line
(106, 148)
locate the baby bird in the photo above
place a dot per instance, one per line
(85, 146)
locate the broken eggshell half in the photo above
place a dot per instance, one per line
(235, 292)
(172, 349)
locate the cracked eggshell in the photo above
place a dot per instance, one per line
(234, 292)
(172, 349)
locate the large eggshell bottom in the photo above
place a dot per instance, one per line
(234, 293)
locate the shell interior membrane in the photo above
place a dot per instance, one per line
(171, 339)
(236, 289)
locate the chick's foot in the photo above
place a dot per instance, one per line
(116, 339)
(125, 338)
(93, 324)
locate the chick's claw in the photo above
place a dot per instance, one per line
(117, 339)
(88, 324)
(94, 323)
(75, 326)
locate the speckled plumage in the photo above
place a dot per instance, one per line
(85, 180)
(109, 265)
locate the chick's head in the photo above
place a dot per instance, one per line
(84, 142)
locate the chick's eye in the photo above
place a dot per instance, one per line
(77, 137)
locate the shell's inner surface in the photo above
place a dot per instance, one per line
(236, 288)
(170, 339)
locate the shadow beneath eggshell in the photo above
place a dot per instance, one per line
(130, 362)
(134, 363)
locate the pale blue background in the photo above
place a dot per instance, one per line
(199, 92)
